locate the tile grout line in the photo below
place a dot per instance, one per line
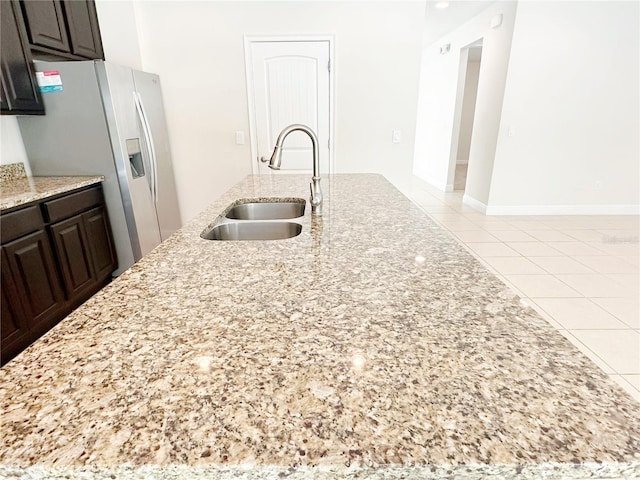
(522, 295)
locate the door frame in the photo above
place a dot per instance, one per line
(248, 61)
(457, 114)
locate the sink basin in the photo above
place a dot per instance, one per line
(270, 210)
(253, 231)
(269, 218)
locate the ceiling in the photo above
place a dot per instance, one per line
(439, 22)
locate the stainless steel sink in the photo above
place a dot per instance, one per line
(253, 231)
(267, 210)
(258, 219)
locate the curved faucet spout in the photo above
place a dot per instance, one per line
(276, 160)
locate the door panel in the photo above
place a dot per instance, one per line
(71, 244)
(84, 31)
(100, 243)
(128, 144)
(167, 207)
(291, 85)
(45, 24)
(14, 328)
(32, 266)
(20, 93)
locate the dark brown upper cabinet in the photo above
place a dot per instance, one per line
(19, 92)
(56, 29)
(64, 28)
(84, 31)
(45, 25)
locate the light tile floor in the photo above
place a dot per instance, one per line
(581, 273)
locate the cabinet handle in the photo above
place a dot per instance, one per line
(146, 130)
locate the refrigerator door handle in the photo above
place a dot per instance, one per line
(150, 145)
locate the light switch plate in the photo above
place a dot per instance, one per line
(239, 138)
(396, 136)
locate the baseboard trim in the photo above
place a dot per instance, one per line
(550, 209)
(475, 204)
(431, 181)
(562, 210)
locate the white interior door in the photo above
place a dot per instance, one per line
(290, 85)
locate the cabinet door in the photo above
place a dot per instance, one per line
(103, 253)
(32, 266)
(20, 92)
(84, 32)
(72, 250)
(14, 328)
(4, 103)
(45, 25)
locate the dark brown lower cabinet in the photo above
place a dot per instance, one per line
(36, 279)
(48, 272)
(85, 251)
(72, 249)
(15, 331)
(101, 245)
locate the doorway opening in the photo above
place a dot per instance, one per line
(471, 57)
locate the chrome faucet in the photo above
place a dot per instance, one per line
(276, 160)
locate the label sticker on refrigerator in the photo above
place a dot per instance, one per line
(49, 81)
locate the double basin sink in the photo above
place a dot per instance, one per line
(258, 219)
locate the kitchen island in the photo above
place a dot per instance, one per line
(372, 345)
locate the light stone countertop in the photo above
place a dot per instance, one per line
(372, 345)
(20, 191)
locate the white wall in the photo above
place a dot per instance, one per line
(197, 49)
(119, 32)
(434, 155)
(565, 83)
(11, 145)
(572, 100)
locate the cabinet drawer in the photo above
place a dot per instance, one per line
(72, 204)
(19, 223)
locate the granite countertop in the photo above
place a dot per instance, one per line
(20, 190)
(372, 345)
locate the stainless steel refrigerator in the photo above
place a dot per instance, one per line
(102, 118)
